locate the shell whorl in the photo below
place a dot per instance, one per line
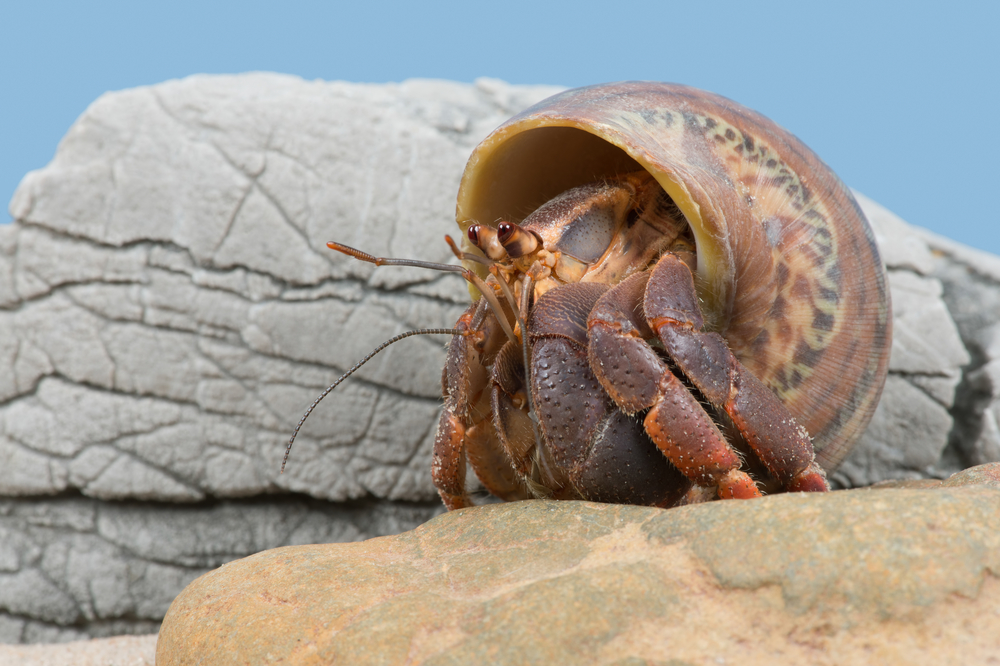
(789, 272)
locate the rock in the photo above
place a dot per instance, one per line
(168, 309)
(168, 279)
(117, 651)
(971, 280)
(981, 475)
(72, 568)
(172, 308)
(892, 575)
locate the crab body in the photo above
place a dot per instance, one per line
(688, 304)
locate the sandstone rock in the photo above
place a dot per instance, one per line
(887, 576)
(981, 475)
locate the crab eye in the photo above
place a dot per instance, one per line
(516, 240)
(504, 230)
(485, 238)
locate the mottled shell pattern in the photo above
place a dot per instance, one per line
(787, 267)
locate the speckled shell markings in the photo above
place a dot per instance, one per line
(788, 269)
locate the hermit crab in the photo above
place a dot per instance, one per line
(675, 301)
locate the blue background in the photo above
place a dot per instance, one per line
(901, 99)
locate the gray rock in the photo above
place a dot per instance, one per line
(184, 224)
(904, 439)
(78, 568)
(168, 309)
(171, 307)
(971, 280)
(983, 390)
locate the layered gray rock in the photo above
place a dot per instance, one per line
(168, 309)
(75, 568)
(170, 306)
(971, 281)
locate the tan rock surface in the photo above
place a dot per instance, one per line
(117, 651)
(877, 576)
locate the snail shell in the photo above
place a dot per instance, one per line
(788, 271)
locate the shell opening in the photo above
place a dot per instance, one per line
(530, 168)
(516, 171)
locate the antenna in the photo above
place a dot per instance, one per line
(422, 331)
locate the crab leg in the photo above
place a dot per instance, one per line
(465, 429)
(605, 453)
(448, 462)
(671, 308)
(636, 379)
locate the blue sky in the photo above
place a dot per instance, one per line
(902, 103)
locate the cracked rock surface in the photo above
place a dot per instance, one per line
(77, 568)
(170, 306)
(168, 309)
(971, 283)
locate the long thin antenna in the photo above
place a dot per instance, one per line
(483, 288)
(423, 331)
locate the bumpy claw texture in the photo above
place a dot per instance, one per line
(684, 304)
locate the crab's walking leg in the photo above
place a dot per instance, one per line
(636, 379)
(671, 308)
(448, 465)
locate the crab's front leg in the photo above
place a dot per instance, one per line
(671, 308)
(637, 379)
(465, 429)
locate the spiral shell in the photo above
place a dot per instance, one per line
(787, 267)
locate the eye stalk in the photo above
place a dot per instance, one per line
(485, 238)
(516, 240)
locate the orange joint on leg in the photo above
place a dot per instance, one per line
(737, 485)
(810, 480)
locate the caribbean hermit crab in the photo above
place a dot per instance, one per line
(703, 304)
